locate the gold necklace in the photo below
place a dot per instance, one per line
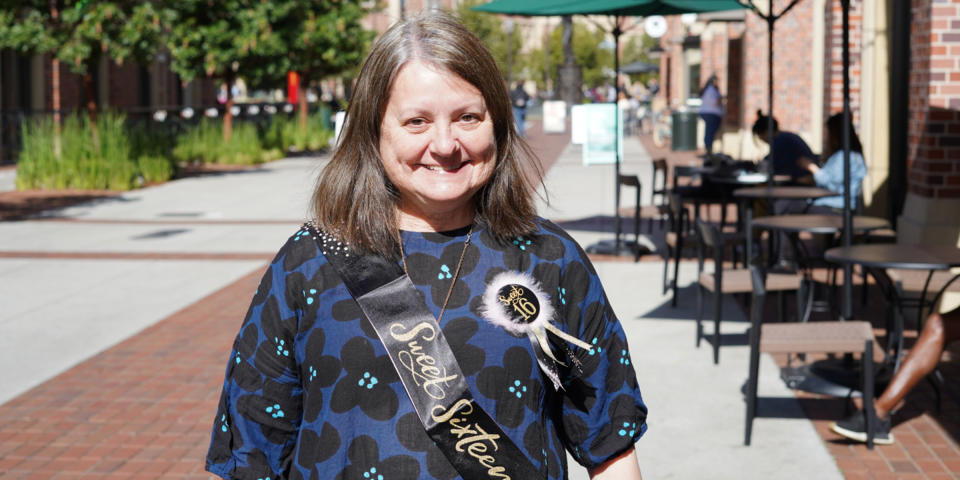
(456, 273)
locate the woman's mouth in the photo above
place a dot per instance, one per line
(441, 168)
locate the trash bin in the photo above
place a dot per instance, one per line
(684, 131)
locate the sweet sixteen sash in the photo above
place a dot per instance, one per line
(470, 439)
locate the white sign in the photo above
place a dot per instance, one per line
(554, 116)
(339, 118)
(578, 124)
(604, 139)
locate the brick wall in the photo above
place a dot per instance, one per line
(792, 63)
(833, 61)
(933, 161)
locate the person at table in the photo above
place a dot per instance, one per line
(830, 175)
(939, 331)
(485, 341)
(787, 150)
(711, 111)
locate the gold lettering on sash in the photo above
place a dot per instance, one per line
(475, 436)
(422, 367)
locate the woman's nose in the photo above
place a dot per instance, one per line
(444, 140)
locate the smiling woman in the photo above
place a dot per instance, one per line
(428, 324)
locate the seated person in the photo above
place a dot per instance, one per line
(830, 175)
(938, 332)
(788, 148)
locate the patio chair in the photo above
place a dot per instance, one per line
(834, 337)
(679, 232)
(659, 172)
(731, 281)
(631, 181)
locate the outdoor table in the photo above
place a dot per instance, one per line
(794, 224)
(749, 194)
(877, 258)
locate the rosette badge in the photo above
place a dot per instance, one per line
(517, 303)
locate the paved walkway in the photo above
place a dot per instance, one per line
(118, 316)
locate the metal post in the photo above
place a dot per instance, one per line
(847, 215)
(616, 130)
(771, 18)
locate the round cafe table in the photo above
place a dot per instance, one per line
(770, 193)
(877, 258)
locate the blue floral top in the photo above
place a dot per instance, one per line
(310, 392)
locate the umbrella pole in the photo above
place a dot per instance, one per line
(847, 214)
(771, 18)
(616, 130)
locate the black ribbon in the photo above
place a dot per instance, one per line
(470, 439)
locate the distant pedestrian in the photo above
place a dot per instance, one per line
(520, 99)
(711, 111)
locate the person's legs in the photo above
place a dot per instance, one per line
(519, 116)
(711, 125)
(938, 331)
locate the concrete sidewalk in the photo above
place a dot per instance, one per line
(117, 317)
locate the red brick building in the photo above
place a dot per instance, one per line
(904, 93)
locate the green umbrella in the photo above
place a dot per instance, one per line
(617, 8)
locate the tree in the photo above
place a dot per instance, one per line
(225, 39)
(490, 29)
(317, 39)
(595, 60)
(81, 35)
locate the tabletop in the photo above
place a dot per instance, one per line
(818, 223)
(889, 255)
(786, 192)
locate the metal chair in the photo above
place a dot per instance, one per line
(731, 281)
(808, 337)
(659, 172)
(631, 181)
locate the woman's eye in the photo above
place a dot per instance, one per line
(469, 117)
(416, 122)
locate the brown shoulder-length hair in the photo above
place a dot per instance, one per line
(353, 197)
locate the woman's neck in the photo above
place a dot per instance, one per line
(441, 222)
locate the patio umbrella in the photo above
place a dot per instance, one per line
(639, 67)
(617, 9)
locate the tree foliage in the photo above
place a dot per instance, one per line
(490, 29)
(80, 33)
(596, 62)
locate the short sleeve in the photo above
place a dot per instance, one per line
(260, 406)
(602, 412)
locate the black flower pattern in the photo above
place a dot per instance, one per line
(626, 422)
(366, 383)
(365, 463)
(515, 386)
(411, 435)
(517, 251)
(239, 369)
(458, 332)
(317, 371)
(300, 248)
(276, 356)
(315, 449)
(276, 411)
(436, 272)
(537, 444)
(257, 467)
(349, 311)
(620, 370)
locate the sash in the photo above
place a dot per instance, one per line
(470, 439)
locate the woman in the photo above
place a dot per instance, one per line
(830, 175)
(711, 111)
(787, 150)
(432, 182)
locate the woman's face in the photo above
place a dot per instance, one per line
(436, 142)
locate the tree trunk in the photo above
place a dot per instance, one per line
(90, 100)
(228, 114)
(55, 86)
(302, 103)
